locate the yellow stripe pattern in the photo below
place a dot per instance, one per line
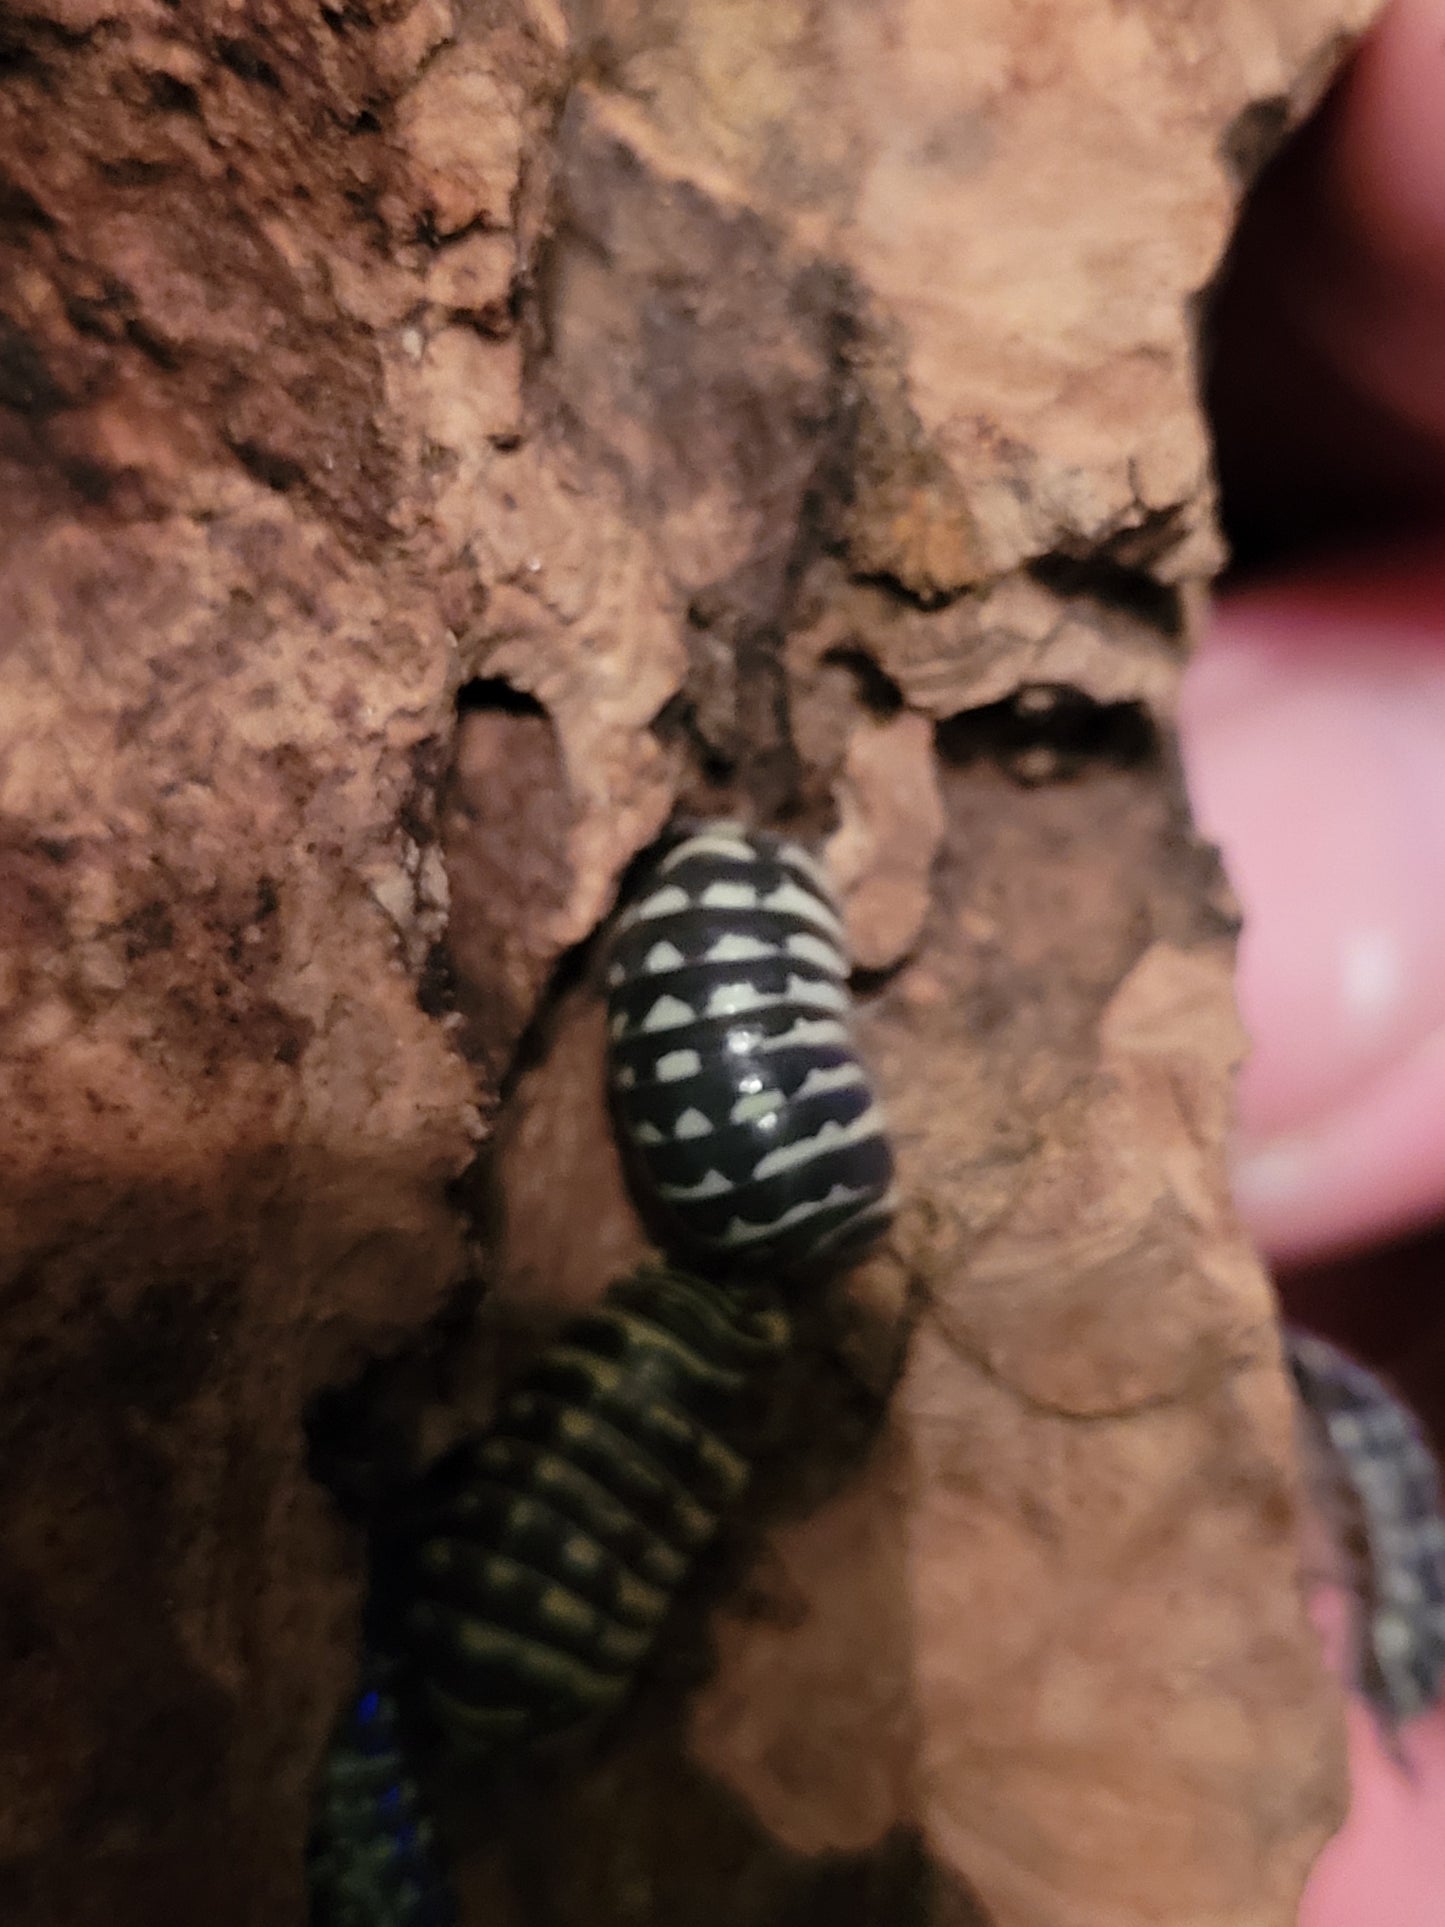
(547, 1553)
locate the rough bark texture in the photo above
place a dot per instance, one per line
(737, 401)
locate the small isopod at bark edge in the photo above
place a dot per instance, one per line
(749, 1121)
(542, 1557)
(1382, 1452)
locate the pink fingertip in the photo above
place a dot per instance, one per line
(1386, 1865)
(1314, 740)
(1313, 730)
(1371, 1170)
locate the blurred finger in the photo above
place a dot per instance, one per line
(1386, 1866)
(1327, 334)
(1313, 729)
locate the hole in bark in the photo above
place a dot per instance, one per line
(244, 61)
(17, 56)
(19, 208)
(1119, 582)
(26, 383)
(497, 694)
(147, 930)
(1048, 733)
(151, 345)
(172, 96)
(91, 482)
(269, 467)
(97, 319)
(436, 989)
(877, 691)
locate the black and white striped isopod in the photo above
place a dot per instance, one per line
(1379, 1455)
(750, 1124)
(546, 1553)
(372, 1858)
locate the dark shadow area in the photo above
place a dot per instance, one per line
(496, 694)
(1120, 583)
(746, 1879)
(1312, 465)
(876, 690)
(1306, 457)
(1386, 1307)
(1047, 733)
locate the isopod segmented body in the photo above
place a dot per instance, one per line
(372, 1858)
(749, 1120)
(1393, 1485)
(546, 1553)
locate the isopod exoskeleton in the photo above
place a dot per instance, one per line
(545, 1554)
(1392, 1486)
(749, 1120)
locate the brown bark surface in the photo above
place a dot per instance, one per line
(740, 401)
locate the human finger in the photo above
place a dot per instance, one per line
(1313, 731)
(1386, 1865)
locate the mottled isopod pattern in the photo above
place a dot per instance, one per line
(546, 1553)
(372, 1858)
(751, 1125)
(1391, 1475)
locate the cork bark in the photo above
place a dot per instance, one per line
(436, 441)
